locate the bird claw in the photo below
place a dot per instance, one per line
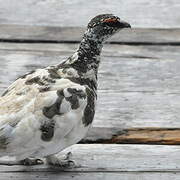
(31, 162)
(68, 156)
(63, 163)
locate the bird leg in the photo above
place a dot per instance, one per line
(26, 162)
(61, 162)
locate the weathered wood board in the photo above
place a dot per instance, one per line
(127, 68)
(91, 176)
(139, 83)
(146, 135)
(125, 158)
(141, 13)
(46, 34)
(138, 88)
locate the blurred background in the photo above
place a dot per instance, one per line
(76, 13)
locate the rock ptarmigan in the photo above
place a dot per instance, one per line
(50, 109)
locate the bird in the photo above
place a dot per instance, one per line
(49, 109)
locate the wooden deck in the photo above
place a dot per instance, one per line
(136, 131)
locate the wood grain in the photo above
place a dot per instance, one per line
(128, 68)
(138, 88)
(140, 13)
(126, 162)
(46, 34)
(114, 158)
(138, 85)
(91, 176)
(151, 136)
(170, 136)
(139, 82)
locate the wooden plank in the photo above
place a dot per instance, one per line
(128, 68)
(74, 34)
(156, 136)
(138, 109)
(111, 135)
(154, 13)
(155, 94)
(113, 158)
(144, 80)
(92, 176)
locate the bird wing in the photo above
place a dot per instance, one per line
(35, 105)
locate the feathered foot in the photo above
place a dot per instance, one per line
(61, 162)
(31, 162)
(26, 162)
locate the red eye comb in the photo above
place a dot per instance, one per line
(110, 20)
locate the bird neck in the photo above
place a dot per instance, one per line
(83, 64)
(90, 46)
(88, 54)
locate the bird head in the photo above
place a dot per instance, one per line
(103, 26)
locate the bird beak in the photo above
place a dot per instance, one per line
(123, 24)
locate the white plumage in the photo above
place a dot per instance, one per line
(49, 109)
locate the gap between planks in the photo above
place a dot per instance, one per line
(159, 136)
(47, 34)
(92, 176)
(138, 43)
